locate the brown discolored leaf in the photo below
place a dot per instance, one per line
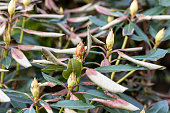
(20, 57)
(46, 106)
(105, 62)
(73, 97)
(61, 93)
(53, 100)
(84, 34)
(104, 11)
(87, 83)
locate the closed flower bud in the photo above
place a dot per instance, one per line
(71, 81)
(26, 2)
(35, 89)
(133, 8)
(110, 19)
(7, 37)
(61, 10)
(110, 40)
(159, 36)
(11, 7)
(80, 51)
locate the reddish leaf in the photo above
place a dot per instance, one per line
(53, 100)
(61, 93)
(2, 28)
(73, 97)
(84, 34)
(74, 38)
(78, 19)
(105, 62)
(46, 106)
(105, 11)
(20, 57)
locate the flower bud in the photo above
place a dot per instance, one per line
(159, 36)
(61, 10)
(80, 51)
(11, 7)
(133, 8)
(110, 40)
(7, 37)
(71, 81)
(26, 2)
(110, 19)
(35, 89)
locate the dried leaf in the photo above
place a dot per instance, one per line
(144, 64)
(53, 100)
(73, 97)
(84, 34)
(61, 93)
(104, 82)
(66, 110)
(20, 57)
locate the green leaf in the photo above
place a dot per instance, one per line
(135, 37)
(118, 68)
(6, 61)
(97, 21)
(95, 93)
(159, 107)
(128, 30)
(140, 33)
(168, 50)
(52, 68)
(154, 11)
(165, 3)
(51, 79)
(30, 110)
(153, 55)
(73, 66)
(73, 104)
(152, 31)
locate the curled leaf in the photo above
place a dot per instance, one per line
(105, 62)
(43, 16)
(3, 70)
(116, 21)
(66, 110)
(89, 41)
(78, 19)
(104, 82)
(43, 34)
(75, 39)
(20, 58)
(52, 58)
(144, 64)
(2, 28)
(46, 106)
